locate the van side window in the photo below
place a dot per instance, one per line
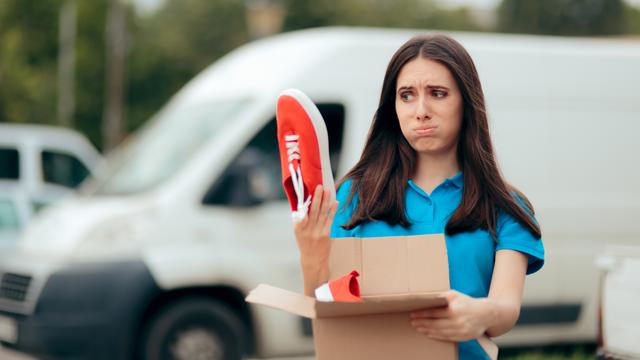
(62, 169)
(9, 164)
(254, 175)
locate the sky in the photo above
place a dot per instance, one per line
(149, 6)
(481, 4)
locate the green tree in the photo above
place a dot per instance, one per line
(28, 54)
(173, 45)
(562, 17)
(28, 57)
(166, 49)
(90, 68)
(421, 14)
(633, 20)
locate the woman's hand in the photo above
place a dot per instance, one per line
(465, 318)
(312, 236)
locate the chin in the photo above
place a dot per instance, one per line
(426, 145)
(431, 150)
(428, 150)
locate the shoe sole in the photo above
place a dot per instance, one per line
(320, 129)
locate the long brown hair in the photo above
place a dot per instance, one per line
(387, 162)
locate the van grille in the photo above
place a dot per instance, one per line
(14, 287)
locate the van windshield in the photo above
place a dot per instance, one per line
(161, 148)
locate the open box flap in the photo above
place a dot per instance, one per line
(308, 307)
(288, 301)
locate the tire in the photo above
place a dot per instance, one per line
(193, 329)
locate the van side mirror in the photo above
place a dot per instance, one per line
(243, 184)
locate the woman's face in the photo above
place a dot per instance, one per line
(429, 106)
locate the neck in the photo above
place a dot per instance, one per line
(433, 169)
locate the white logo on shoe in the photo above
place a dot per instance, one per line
(293, 153)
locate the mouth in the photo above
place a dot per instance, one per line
(426, 130)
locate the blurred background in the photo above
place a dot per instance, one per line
(104, 67)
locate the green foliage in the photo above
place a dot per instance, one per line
(28, 53)
(90, 68)
(175, 44)
(422, 14)
(578, 355)
(562, 17)
(632, 16)
(169, 47)
(28, 63)
(550, 352)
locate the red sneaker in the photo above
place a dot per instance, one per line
(304, 150)
(344, 289)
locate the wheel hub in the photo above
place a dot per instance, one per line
(197, 344)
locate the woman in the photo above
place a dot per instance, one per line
(428, 167)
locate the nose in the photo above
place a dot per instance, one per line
(423, 111)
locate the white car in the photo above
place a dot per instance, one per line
(48, 162)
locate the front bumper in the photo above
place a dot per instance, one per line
(86, 311)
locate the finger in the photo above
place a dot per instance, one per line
(326, 228)
(449, 335)
(451, 295)
(435, 335)
(323, 210)
(436, 324)
(442, 329)
(300, 226)
(315, 204)
(451, 332)
(326, 200)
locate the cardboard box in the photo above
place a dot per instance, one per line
(397, 275)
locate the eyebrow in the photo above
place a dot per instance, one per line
(428, 86)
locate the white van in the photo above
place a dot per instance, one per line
(15, 213)
(46, 162)
(155, 258)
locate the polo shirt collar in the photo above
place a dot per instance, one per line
(456, 180)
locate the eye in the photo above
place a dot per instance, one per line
(439, 93)
(406, 96)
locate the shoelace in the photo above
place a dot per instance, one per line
(293, 153)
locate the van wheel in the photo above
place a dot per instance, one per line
(193, 329)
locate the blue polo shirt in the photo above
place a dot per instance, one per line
(471, 254)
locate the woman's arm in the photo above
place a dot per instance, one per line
(468, 318)
(312, 236)
(505, 294)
